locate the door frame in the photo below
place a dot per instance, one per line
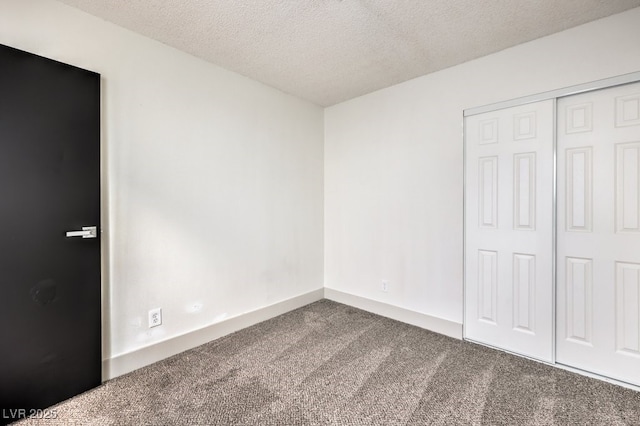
(558, 93)
(554, 95)
(105, 266)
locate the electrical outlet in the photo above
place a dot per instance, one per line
(155, 317)
(384, 286)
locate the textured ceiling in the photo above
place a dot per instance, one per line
(328, 51)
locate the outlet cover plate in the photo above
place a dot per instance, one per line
(155, 317)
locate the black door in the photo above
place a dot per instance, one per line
(50, 293)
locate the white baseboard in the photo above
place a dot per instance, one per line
(429, 322)
(147, 355)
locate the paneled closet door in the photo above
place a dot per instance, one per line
(508, 229)
(598, 264)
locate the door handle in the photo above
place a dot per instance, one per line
(87, 232)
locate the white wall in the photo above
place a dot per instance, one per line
(394, 162)
(214, 182)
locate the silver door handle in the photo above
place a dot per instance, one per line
(87, 232)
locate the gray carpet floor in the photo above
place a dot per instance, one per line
(331, 364)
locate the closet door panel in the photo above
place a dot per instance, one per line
(508, 229)
(598, 264)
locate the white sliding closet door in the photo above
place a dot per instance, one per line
(508, 229)
(598, 265)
